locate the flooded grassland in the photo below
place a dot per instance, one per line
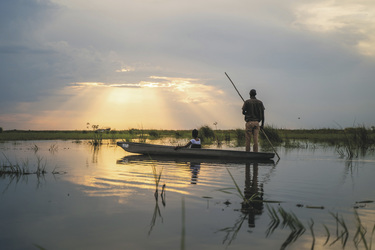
(71, 195)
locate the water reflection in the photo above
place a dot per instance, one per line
(116, 203)
(252, 205)
(253, 193)
(195, 168)
(157, 213)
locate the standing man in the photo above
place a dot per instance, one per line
(253, 110)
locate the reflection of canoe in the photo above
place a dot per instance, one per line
(162, 150)
(164, 158)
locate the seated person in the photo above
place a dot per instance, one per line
(193, 143)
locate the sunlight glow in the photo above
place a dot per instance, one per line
(164, 103)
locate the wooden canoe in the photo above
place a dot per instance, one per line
(162, 150)
(181, 159)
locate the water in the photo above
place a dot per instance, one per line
(104, 199)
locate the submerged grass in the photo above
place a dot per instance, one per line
(280, 218)
(15, 169)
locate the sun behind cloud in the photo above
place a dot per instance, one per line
(161, 103)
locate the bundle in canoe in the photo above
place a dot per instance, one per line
(162, 150)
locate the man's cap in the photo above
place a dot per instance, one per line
(253, 92)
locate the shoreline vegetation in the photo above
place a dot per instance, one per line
(275, 134)
(349, 142)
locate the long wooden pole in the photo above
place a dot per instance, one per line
(234, 87)
(264, 133)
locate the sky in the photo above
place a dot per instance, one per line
(160, 64)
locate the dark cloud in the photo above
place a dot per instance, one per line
(25, 61)
(45, 47)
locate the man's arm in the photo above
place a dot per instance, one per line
(262, 115)
(244, 109)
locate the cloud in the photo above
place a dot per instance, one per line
(351, 20)
(304, 58)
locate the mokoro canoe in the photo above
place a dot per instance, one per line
(181, 159)
(162, 150)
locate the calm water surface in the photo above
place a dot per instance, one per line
(105, 199)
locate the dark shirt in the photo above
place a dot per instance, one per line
(253, 110)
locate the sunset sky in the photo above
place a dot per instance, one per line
(160, 63)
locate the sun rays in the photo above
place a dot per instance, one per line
(160, 103)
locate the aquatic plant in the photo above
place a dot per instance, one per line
(183, 224)
(10, 169)
(238, 190)
(206, 134)
(14, 169)
(272, 134)
(231, 232)
(97, 135)
(292, 143)
(356, 140)
(240, 136)
(280, 218)
(35, 148)
(311, 226)
(155, 215)
(361, 232)
(286, 219)
(41, 167)
(227, 137)
(53, 148)
(157, 177)
(154, 134)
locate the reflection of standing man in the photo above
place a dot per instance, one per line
(253, 110)
(252, 187)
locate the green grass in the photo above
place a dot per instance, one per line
(350, 142)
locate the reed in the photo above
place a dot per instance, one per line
(311, 226)
(295, 144)
(206, 134)
(41, 167)
(35, 148)
(324, 135)
(272, 133)
(357, 140)
(342, 232)
(156, 214)
(360, 235)
(239, 192)
(285, 220)
(183, 224)
(53, 148)
(240, 136)
(97, 135)
(231, 232)
(16, 169)
(157, 177)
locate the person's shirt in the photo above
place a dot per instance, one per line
(253, 109)
(195, 143)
